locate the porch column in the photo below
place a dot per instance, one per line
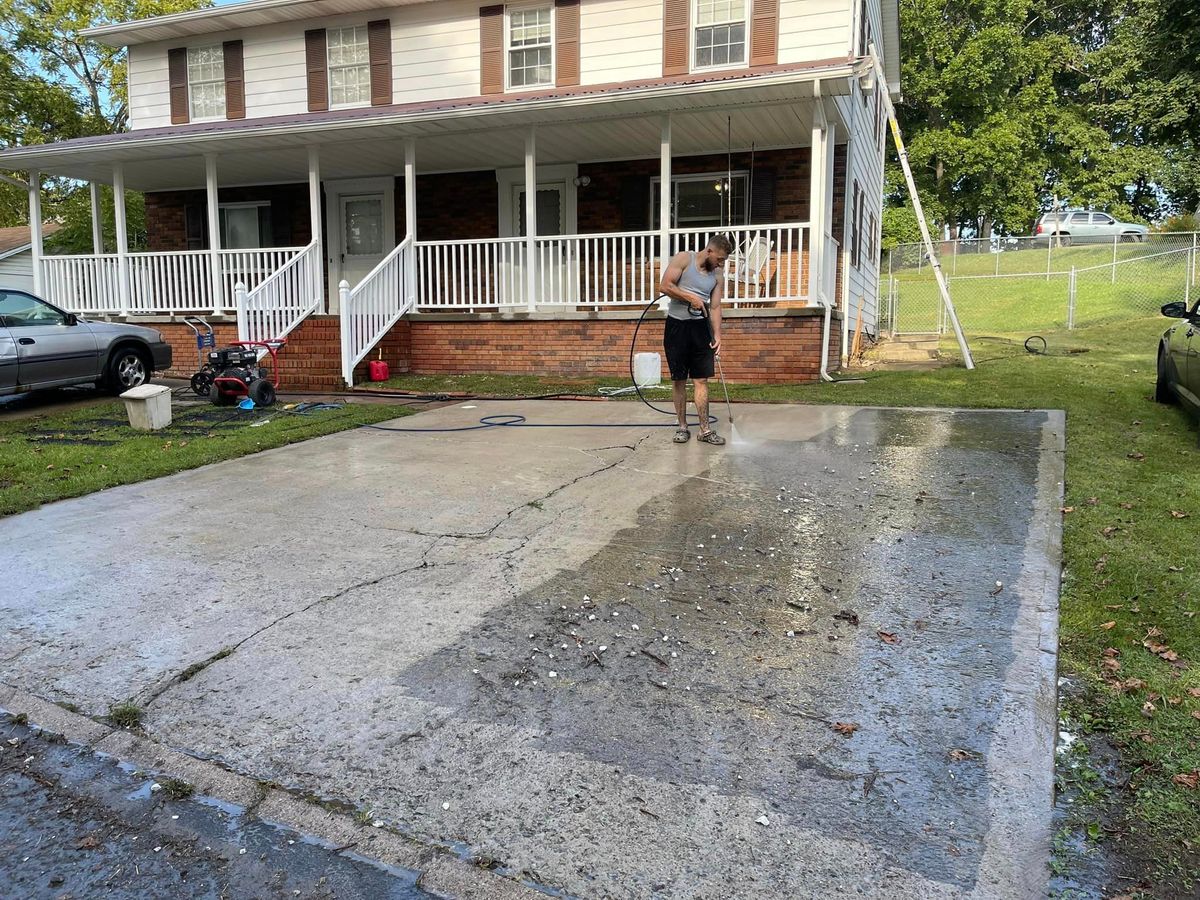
(35, 228)
(122, 236)
(314, 220)
(214, 233)
(410, 218)
(531, 217)
(829, 259)
(97, 228)
(816, 197)
(664, 196)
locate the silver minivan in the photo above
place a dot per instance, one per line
(1086, 226)
(42, 346)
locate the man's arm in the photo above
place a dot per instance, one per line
(670, 282)
(714, 314)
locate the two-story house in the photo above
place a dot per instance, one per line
(491, 188)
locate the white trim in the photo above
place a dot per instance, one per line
(693, 24)
(526, 6)
(509, 178)
(345, 187)
(5, 254)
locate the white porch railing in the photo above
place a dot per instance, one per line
(286, 298)
(472, 274)
(769, 262)
(375, 304)
(830, 271)
(160, 283)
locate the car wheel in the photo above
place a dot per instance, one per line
(127, 369)
(1064, 240)
(1162, 387)
(1130, 237)
(262, 392)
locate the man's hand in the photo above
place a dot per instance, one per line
(695, 302)
(715, 343)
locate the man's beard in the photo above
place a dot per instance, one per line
(707, 265)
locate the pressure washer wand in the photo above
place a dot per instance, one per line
(720, 368)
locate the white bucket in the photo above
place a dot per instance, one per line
(647, 369)
(148, 406)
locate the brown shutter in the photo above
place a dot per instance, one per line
(491, 50)
(177, 73)
(315, 63)
(762, 196)
(675, 37)
(566, 42)
(235, 82)
(379, 40)
(764, 33)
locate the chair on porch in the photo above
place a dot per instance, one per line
(747, 267)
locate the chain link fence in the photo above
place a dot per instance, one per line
(1007, 285)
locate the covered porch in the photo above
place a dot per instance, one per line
(545, 205)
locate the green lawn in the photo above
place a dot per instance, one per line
(67, 454)
(1132, 570)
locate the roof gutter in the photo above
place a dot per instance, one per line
(28, 156)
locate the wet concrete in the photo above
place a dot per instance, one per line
(708, 616)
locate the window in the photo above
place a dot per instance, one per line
(206, 82)
(18, 310)
(720, 33)
(701, 201)
(363, 218)
(245, 226)
(1101, 219)
(1080, 218)
(530, 47)
(349, 66)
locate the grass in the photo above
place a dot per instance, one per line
(1131, 566)
(69, 454)
(176, 788)
(125, 715)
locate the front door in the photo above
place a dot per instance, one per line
(362, 235)
(555, 281)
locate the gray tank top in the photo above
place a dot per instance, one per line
(696, 282)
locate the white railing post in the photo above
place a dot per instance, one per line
(35, 230)
(816, 196)
(531, 218)
(123, 282)
(347, 326)
(314, 219)
(240, 305)
(410, 221)
(214, 233)
(97, 227)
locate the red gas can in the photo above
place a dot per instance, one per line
(377, 370)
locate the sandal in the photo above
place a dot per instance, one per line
(711, 437)
(682, 436)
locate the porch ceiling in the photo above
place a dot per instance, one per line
(772, 113)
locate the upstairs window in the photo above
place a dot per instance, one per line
(349, 66)
(530, 47)
(206, 82)
(719, 37)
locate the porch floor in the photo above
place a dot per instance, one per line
(610, 663)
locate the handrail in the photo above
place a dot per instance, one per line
(370, 309)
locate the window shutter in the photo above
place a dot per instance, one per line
(566, 42)
(762, 196)
(315, 63)
(635, 203)
(379, 41)
(177, 75)
(764, 33)
(855, 225)
(235, 81)
(491, 50)
(675, 37)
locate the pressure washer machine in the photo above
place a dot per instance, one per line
(235, 372)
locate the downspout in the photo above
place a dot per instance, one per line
(825, 376)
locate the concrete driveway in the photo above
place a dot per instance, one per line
(817, 663)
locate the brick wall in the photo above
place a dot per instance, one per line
(759, 346)
(455, 205)
(166, 214)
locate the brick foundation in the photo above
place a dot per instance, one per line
(761, 346)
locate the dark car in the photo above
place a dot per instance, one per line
(1179, 357)
(42, 346)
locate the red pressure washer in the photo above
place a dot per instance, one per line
(236, 372)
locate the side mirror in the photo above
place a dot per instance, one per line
(72, 319)
(1176, 310)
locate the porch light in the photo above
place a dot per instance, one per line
(583, 180)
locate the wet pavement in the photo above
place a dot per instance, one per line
(76, 824)
(817, 662)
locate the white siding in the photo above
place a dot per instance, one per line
(16, 271)
(435, 55)
(864, 164)
(620, 40)
(814, 29)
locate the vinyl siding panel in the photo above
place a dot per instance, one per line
(620, 40)
(864, 164)
(814, 29)
(16, 271)
(149, 81)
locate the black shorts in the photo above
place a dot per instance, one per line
(687, 347)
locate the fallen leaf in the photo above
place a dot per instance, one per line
(1187, 779)
(1092, 501)
(1101, 564)
(960, 755)
(1065, 510)
(1174, 568)
(1194, 692)
(1113, 606)
(1110, 530)
(1149, 709)
(91, 842)
(1126, 506)
(1133, 684)
(1174, 701)
(847, 615)
(1111, 651)
(1144, 736)
(1136, 455)
(1169, 655)
(887, 637)
(1176, 514)
(1111, 665)
(1195, 714)
(1107, 626)
(845, 728)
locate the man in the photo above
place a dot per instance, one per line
(695, 284)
